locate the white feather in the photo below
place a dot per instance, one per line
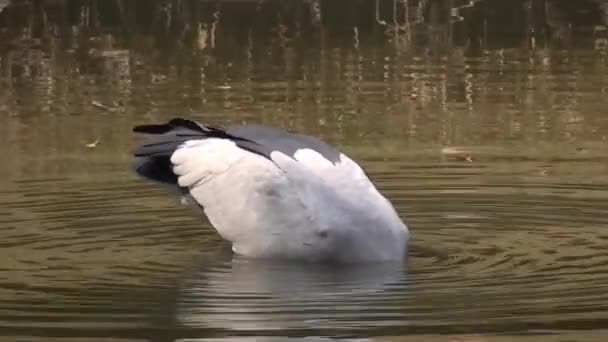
(303, 207)
(312, 159)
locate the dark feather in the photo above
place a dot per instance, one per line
(158, 169)
(156, 154)
(154, 157)
(173, 124)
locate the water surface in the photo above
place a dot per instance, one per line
(495, 154)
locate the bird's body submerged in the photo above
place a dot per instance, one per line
(274, 194)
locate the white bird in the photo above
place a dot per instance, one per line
(275, 194)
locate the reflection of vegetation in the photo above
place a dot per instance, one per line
(436, 69)
(419, 21)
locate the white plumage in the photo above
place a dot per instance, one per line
(287, 201)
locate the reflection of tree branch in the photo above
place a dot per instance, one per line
(216, 21)
(122, 15)
(381, 22)
(402, 22)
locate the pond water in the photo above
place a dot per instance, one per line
(496, 155)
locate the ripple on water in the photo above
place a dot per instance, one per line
(493, 250)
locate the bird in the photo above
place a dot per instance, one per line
(274, 194)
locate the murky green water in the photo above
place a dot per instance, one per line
(496, 155)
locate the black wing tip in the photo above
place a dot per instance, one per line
(174, 123)
(152, 129)
(156, 169)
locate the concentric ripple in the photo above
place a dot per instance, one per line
(494, 250)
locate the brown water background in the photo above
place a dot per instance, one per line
(485, 122)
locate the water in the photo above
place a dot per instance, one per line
(494, 153)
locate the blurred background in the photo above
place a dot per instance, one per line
(433, 71)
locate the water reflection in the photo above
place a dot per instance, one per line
(483, 121)
(248, 295)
